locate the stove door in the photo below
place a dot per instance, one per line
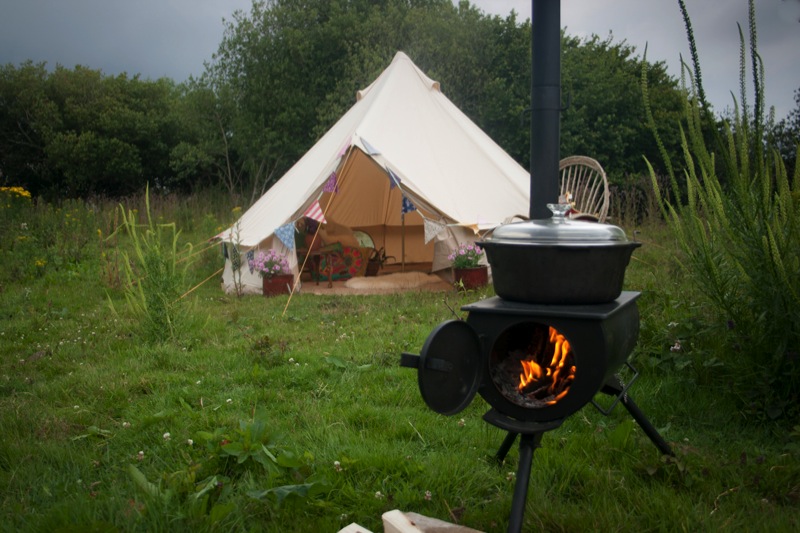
(449, 369)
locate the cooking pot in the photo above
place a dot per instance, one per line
(558, 260)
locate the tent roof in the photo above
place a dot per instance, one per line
(405, 124)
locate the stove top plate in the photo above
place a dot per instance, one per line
(497, 305)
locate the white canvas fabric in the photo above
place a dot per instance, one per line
(401, 128)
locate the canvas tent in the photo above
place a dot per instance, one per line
(401, 140)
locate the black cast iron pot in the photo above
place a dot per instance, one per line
(557, 260)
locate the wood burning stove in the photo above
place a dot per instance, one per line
(545, 347)
(535, 365)
(496, 352)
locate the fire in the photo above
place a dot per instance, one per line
(554, 379)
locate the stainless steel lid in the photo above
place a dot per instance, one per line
(557, 230)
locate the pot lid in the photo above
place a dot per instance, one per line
(558, 229)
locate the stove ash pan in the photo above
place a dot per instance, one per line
(531, 363)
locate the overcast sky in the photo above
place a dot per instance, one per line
(173, 38)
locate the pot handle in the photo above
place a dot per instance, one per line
(509, 220)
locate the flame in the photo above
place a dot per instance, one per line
(560, 375)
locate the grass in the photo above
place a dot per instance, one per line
(321, 390)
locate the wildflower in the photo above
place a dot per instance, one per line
(510, 476)
(270, 264)
(672, 324)
(167, 436)
(229, 401)
(466, 256)
(198, 382)
(140, 455)
(126, 425)
(461, 423)
(337, 466)
(428, 495)
(675, 347)
(291, 359)
(190, 442)
(379, 495)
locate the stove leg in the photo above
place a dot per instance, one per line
(500, 456)
(646, 426)
(527, 445)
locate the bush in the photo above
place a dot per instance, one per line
(154, 279)
(736, 217)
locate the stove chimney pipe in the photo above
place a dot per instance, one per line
(545, 105)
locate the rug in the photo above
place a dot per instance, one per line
(396, 281)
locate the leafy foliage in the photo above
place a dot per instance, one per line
(283, 73)
(77, 133)
(154, 277)
(738, 225)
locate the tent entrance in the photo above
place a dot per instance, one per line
(366, 201)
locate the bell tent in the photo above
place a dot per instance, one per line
(404, 166)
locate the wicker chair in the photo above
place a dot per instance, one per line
(586, 182)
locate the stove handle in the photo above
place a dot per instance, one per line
(410, 360)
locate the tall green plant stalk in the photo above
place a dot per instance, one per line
(154, 280)
(735, 212)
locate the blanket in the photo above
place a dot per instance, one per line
(398, 280)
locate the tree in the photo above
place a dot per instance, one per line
(28, 119)
(77, 132)
(605, 114)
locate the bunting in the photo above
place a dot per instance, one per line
(408, 206)
(236, 258)
(251, 254)
(286, 234)
(345, 147)
(394, 179)
(314, 212)
(371, 150)
(331, 185)
(432, 229)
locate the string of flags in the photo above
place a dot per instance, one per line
(314, 212)
(394, 179)
(286, 232)
(432, 228)
(407, 206)
(250, 255)
(331, 185)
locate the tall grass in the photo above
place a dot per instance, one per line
(322, 390)
(155, 279)
(244, 419)
(735, 212)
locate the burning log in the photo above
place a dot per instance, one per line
(538, 375)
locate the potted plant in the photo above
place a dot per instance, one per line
(273, 267)
(376, 260)
(467, 270)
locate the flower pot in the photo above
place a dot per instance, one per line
(277, 284)
(373, 267)
(471, 278)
